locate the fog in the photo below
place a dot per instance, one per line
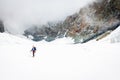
(17, 15)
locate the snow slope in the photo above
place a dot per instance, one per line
(58, 60)
(114, 36)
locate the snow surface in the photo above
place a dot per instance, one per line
(58, 60)
(114, 36)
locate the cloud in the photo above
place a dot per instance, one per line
(18, 13)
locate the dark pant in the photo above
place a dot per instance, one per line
(33, 53)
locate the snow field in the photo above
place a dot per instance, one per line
(58, 60)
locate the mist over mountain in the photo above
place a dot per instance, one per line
(49, 20)
(18, 15)
(100, 17)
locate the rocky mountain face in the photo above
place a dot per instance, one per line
(1, 27)
(48, 32)
(90, 22)
(94, 20)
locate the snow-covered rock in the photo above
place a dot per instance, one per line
(114, 36)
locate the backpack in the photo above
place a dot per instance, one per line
(34, 48)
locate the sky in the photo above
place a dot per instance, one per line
(18, 14)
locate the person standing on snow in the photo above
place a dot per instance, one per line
(33, 50)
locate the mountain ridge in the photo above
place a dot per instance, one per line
(90, 22)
